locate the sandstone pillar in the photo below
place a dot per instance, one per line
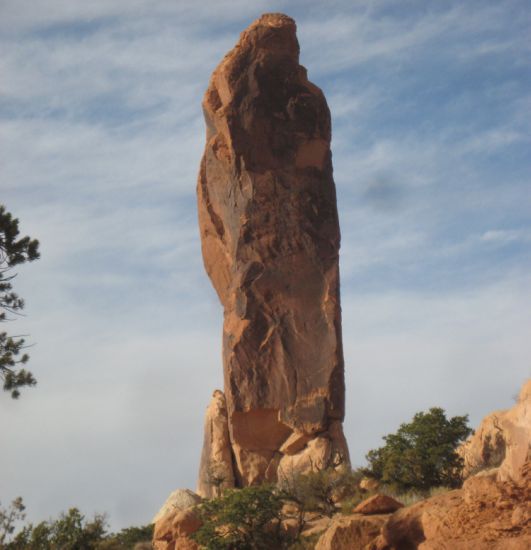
(270, 243)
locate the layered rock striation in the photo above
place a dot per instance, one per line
(270, 242)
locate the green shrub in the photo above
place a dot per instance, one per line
(127, 538)
(71, 531)
(421, 454)
(319, 490)
(243, 519)
(9, 517)
(348, 504)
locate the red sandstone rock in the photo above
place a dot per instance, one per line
(270, 242)
(516, 424)
(215, 470)
(503, 439)
(180, 499)
(378, 504)
(480, 516)
(351, 532)
(172, 531)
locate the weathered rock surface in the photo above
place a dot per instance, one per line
(173, 530)
(378, 504)
(270, 243)
(503, 439)
(215, 470)
(485, 515)
(492, 511)
(180, 499)
(351, 532)
(516, 424)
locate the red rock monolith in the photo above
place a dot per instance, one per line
(270, 243)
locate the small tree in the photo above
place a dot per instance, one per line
(320, 489)
(243, 519)
(217, 478)
(421, 454)
(13, 251)
(128, 538)
(69, 532)
(8, 519)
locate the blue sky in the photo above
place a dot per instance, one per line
(101, 135)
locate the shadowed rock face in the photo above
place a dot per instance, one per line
(270, 242)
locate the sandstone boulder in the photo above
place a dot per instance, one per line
(351, 532)
(502, 440)
(270, 242)
(378, 504)
(216, 471)
(486, 448)
(173, 530)
(180, 499)
(479, 516)
(516, 424)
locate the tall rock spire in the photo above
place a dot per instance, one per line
(270, 243)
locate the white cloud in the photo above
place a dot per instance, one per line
(500, 236)
(493, 140)
(466, 351)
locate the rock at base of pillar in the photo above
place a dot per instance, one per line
(216, 470)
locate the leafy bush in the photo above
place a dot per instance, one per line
(8, 518)
(421, 454)
(349, 503)
(243, 519)
(70, 532)
(319, 490)
(127, 538)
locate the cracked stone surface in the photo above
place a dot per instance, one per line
(270, 242)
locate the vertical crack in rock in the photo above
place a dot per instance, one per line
(270, 243)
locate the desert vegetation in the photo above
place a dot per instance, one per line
(14, 250)
(70, 531)
(421, 454)
(417, 461)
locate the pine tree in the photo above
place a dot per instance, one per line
(13, 251)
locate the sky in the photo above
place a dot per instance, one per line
(101, 134)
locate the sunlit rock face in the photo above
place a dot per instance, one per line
(270, 242)
(502, 439)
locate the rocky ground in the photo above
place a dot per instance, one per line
(492, 511)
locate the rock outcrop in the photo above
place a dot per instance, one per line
(173, 531)
(502, 440)
(180, 499)
(516, 424)
(492, 511)
(351, 532)
(270, 243)
(485, 514)
(378, 504)
(215, 470)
